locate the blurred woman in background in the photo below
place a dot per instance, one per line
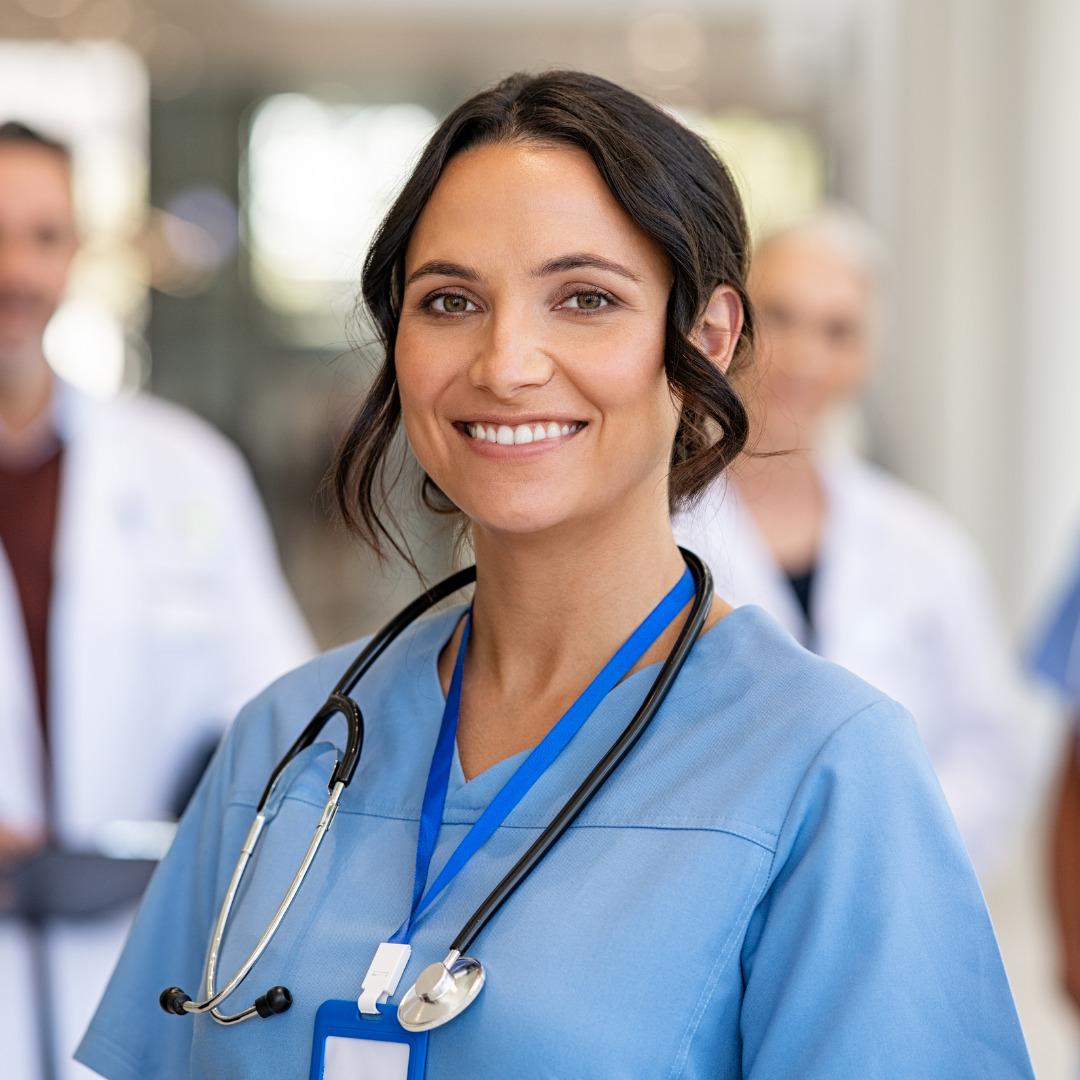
(857, 566)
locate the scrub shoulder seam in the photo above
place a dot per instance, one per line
(753, 834)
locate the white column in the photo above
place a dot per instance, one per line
(1048, 414)
(933, 159)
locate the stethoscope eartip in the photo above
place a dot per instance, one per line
(276, 1000)
(172, 1000)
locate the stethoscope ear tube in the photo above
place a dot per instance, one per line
(688, 635)
(339, 700)
(344, 769)
(379, 643)
(346, 765)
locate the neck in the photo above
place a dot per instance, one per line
(26, 386)
(575, 592)
(549, 611)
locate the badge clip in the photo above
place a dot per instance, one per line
(383, 976)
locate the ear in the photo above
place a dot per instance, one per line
(720, 326)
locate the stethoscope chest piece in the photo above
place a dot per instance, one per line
(440, 992)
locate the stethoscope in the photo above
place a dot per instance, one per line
(442, 990)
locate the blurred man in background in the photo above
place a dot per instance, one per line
(141, 603)
(857, 566)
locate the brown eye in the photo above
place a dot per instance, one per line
(451, 304)
(586, 301)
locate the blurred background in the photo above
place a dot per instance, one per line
(233, 156)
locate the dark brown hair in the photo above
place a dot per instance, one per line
(670, 184)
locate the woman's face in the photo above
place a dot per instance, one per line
(530, 348)
(813, 315)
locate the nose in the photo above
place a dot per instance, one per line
(511, 357)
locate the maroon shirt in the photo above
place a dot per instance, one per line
(29, 495)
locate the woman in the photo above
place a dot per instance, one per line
(855, 565)
(770, 885)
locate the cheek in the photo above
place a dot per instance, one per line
(848, 373)
(58, 272)
(48, 278)
(419, 386)
(776, 377)
(631, 391)
(778, 361)
(421, 377)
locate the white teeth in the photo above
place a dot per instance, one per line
(504, 435)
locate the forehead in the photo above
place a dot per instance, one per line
(34, 179)
(520, 203)
(803, 273)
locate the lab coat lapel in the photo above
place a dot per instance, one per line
(852, 571)
(21, 794)
(723, 532)
(92, 626)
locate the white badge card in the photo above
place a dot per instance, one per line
(351, 1046)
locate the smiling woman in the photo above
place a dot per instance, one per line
(763, 882)
(678, 234)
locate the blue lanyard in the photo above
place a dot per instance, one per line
(531, 769)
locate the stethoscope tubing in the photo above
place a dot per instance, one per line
(572, 808)
(404, 618)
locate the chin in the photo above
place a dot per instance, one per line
(528, 518)
(524, 524)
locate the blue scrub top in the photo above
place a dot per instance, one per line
(771, 886)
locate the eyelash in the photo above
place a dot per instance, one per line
(428, 303)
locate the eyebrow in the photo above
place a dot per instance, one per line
(587, 260)
(438, 268)
(575, 261)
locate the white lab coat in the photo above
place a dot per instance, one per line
(169, 610)
(901, 598)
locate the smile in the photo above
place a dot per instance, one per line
(504, 435)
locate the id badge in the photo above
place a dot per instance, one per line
(351, 1046)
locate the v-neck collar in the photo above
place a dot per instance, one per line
(467, 798)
